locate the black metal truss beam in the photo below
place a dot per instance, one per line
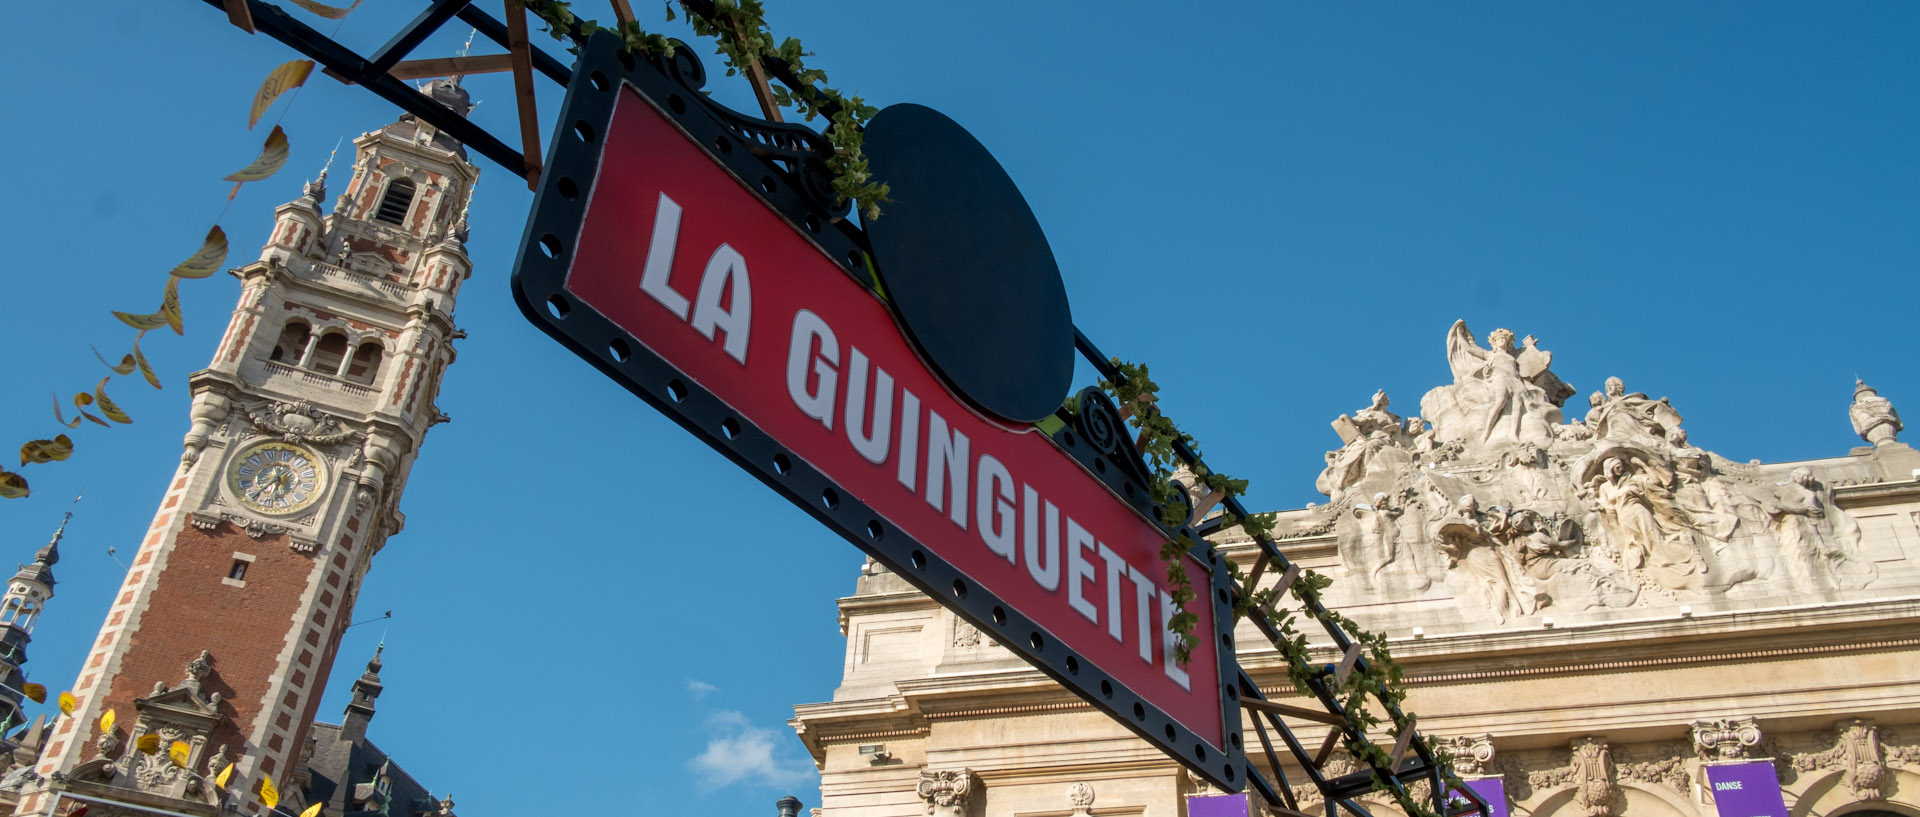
(372, 72)
(416, 32)
(492, 29)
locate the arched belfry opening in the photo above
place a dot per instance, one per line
(395, 202)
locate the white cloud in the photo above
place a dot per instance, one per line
(699, 689)
(738, 752)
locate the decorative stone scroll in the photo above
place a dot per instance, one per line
(1725, 738)
(1515, 511)
(1589, 770)
(1857, 755)
(1472, 754)
(945, 791)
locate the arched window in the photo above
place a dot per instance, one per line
(329, 353)
(366, 363)
(293, 343)
(393, 205)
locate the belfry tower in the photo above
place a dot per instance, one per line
(304, 428)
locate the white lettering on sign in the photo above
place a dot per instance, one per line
(974, 489)
(725, 279)
(809, 330)
(659, 267)
(1731, 785)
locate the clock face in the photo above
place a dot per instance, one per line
(277, 477)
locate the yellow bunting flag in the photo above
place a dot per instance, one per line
(269, 796)
(148, 744)
(287, 77)
(12, 485)
(329, 12)
(81, 401)
(124, 367)
(273, 155)
(168, 315)
(66, 703)
(106, 721)
(314, 810)
(140, 360)
(225, 775)
(107, 407)
(142, 322)
(178, 753)
(213, 252)
(58, 448)
(36, 692)
(170, 306)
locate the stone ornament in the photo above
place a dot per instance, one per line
(1472, 754)
(300, 422)
(1857, 755)
(1510, 509)
(1873, 416)
(945, 791)
(1080, 796)
(1589, 770)
(1593, 775)
(1725, 738)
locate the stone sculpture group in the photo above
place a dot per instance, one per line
(1515, 509)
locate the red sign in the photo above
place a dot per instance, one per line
(680, 254)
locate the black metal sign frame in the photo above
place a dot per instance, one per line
(754, 153)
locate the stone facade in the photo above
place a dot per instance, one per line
(303, 430)
(1586, 605)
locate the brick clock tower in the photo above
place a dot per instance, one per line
(304, 428)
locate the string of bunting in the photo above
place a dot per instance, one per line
(204, 262)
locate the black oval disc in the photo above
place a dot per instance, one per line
(967, 267)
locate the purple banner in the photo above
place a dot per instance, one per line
(1748, 789)
(1219, 805)
(1491, 789)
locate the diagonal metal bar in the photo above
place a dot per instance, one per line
(495, 30)
(414, 34)
(274, 22)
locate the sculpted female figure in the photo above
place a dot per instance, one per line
(1646, 527)
(1492, 400)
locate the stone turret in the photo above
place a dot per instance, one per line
(20, 608)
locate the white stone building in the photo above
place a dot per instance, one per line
(1586, 606)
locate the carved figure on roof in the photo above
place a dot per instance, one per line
(1815, 536)
(1367, 421)
(1373, 544)
(1487, 496)
(1873, 416)
(1645, 531)
(1623, 416)
(1473, 541)
(1496, 396)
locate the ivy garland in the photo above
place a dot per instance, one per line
(742, 39)
(1133, 390)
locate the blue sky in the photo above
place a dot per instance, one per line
(1281, 208)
